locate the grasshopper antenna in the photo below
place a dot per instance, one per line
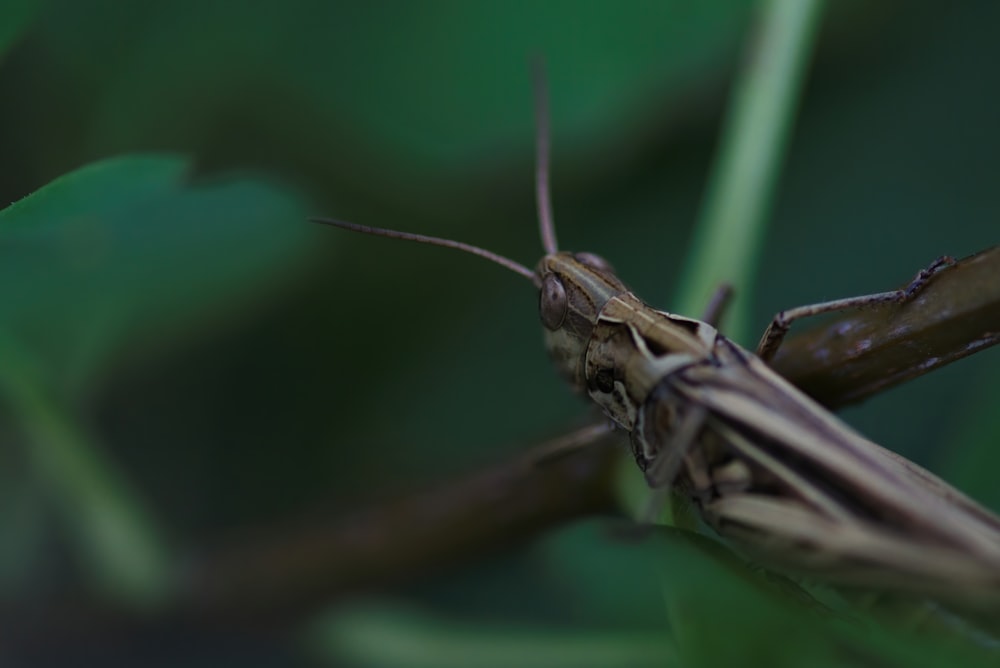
(542, 149)
(434, 241)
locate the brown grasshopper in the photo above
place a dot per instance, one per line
(763, 464)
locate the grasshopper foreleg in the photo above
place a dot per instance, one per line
(667, 465)
(717, 305)
(782, 322)
(574, 441)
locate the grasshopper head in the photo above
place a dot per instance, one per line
(574, 289)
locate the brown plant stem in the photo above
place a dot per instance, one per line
(280, 574)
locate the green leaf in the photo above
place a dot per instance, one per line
(123, 254)
(106, 261)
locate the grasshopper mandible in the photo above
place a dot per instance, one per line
(764, 465)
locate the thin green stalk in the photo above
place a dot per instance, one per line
(120, 544)
(729, 234)
(386, 636)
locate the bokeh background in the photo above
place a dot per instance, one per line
(185, 359)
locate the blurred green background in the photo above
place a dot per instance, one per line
(184, 358)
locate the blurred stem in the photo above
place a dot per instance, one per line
(384, 636)
(729, 234)
(120, 543)
(276, 575)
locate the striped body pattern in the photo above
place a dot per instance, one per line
(764, 464)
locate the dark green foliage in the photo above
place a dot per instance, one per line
(183, 358)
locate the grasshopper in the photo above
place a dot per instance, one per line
(764, 465)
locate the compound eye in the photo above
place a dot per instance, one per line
(594, 261)
(552, 302)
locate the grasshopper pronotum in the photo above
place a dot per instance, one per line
(763, 464)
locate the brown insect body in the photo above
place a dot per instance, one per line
(763, 463)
